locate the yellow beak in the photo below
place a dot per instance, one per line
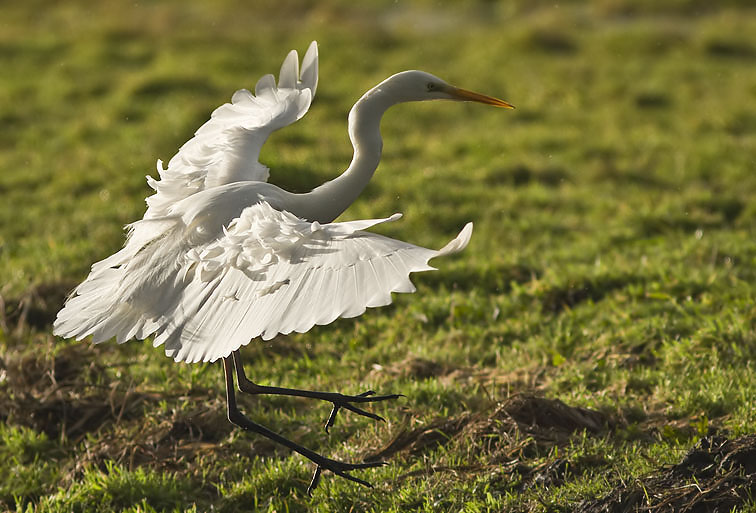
(470, 96)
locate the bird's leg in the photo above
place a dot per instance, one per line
(338, 400)
(339, 468)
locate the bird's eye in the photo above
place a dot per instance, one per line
(431, 86)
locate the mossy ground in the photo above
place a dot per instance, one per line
(609, 279)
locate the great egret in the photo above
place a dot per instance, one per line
(222, 257)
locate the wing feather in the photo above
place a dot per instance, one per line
(298, 277)
(289, 74)
(227, 147)
(310, 68)
(268, 272)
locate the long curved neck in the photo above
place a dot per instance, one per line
(326, 202)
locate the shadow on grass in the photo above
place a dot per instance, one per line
(491, 278)
(35, 308)
(559, 298)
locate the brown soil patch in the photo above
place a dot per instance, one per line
(514, 427)
(63, 393)
(524, 428)
(717, 475)
(171, 443)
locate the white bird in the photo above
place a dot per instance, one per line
(222, 257)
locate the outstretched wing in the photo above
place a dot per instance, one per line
(227, 147)
(274, 273)
(270, 272)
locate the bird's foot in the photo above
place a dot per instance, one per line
(341, 469)
(344, 401)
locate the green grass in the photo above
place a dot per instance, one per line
(611, 267)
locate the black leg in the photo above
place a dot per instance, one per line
(339, 468)
(338, 400)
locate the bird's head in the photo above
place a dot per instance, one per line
(409, 86)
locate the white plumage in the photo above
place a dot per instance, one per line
(227, 147)
(222, 257)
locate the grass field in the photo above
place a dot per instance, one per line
(592, 348)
